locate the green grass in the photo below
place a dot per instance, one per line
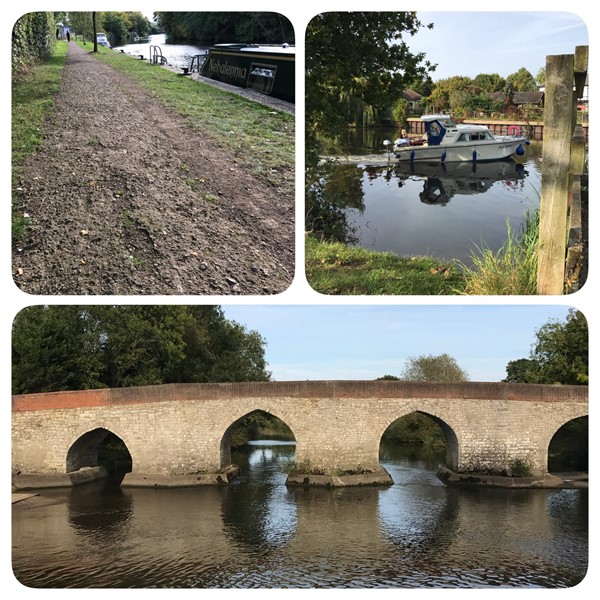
(32, 101)
(512, 270)
(254, 134)
(334, 268)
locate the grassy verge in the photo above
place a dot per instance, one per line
(334, 268)
(513, 269)
(253, 133)
(32, 100)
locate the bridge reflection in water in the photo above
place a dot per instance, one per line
(257, 533)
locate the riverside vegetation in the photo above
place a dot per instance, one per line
(333, 267)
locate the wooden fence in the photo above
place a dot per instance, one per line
(560, 250)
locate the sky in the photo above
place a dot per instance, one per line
(336, 342)
(469, 43)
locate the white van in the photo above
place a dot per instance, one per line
(102, 40)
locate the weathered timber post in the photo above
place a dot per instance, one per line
(563, 156)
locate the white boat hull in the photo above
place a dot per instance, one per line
(485, 150)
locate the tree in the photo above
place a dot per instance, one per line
(363, 55)
(490, 82)
(74, 347)
(442, 368)
(416, 427)
(400, 110)
(540, 78)
(559, 354)
(220, 27)
(520, 81)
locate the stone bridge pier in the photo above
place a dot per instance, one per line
(182, 432)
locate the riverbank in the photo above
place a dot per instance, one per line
(129, 193)
(337, 269)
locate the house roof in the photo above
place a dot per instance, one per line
(527, 97)
(498, 96)
(411, 95)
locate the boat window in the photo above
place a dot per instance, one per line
(462, 138)
(262, 77)
(447, 123)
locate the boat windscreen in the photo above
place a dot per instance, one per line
(435, 132)
(447, 123)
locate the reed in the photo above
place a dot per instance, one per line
(512, 270)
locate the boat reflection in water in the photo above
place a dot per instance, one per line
(443, 181)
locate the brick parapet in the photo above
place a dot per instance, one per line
(514, 392)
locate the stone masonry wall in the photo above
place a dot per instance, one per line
(177, 429)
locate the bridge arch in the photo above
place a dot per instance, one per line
(99, 447)
(450, 436)
(227, 437)
(567, 449)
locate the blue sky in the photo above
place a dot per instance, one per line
(469, 43)
(367, 341)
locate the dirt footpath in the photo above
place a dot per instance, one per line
(124, 199)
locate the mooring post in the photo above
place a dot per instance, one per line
(563, 157)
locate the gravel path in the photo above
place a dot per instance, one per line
(125, 199)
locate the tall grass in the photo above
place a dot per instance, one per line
(512, 270)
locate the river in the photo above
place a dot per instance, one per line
(260, 534)
(177, 55)
(439, 210)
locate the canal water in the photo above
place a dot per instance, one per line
(431, 209)
(177, 55)
(260, 534)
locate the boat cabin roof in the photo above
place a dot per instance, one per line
(266, 48)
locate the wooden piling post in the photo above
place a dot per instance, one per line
(559, 126)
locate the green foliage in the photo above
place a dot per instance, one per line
(226, 27)
(33, 38)
(415, 428)
(490, 82)
(512, 270)
(75, 347)
(334, 268)
(520, 81)
(559, 354)
(360, 55)
(441, 368)
(116, 27)
(540, 78)
(520, 468)
(260, 425)
(400, 111)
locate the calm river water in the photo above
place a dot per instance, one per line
(258, 533)
(437, 210)
(177, 55)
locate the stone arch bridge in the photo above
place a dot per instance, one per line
(184, 430)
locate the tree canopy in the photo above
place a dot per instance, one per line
(558, 355)
(77, 347)
(442, 368)
(521, 81)
(224, 27)
(357, 58)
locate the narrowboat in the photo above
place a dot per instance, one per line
(266, 68)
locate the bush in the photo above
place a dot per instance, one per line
(520, 468)
(32, 41)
